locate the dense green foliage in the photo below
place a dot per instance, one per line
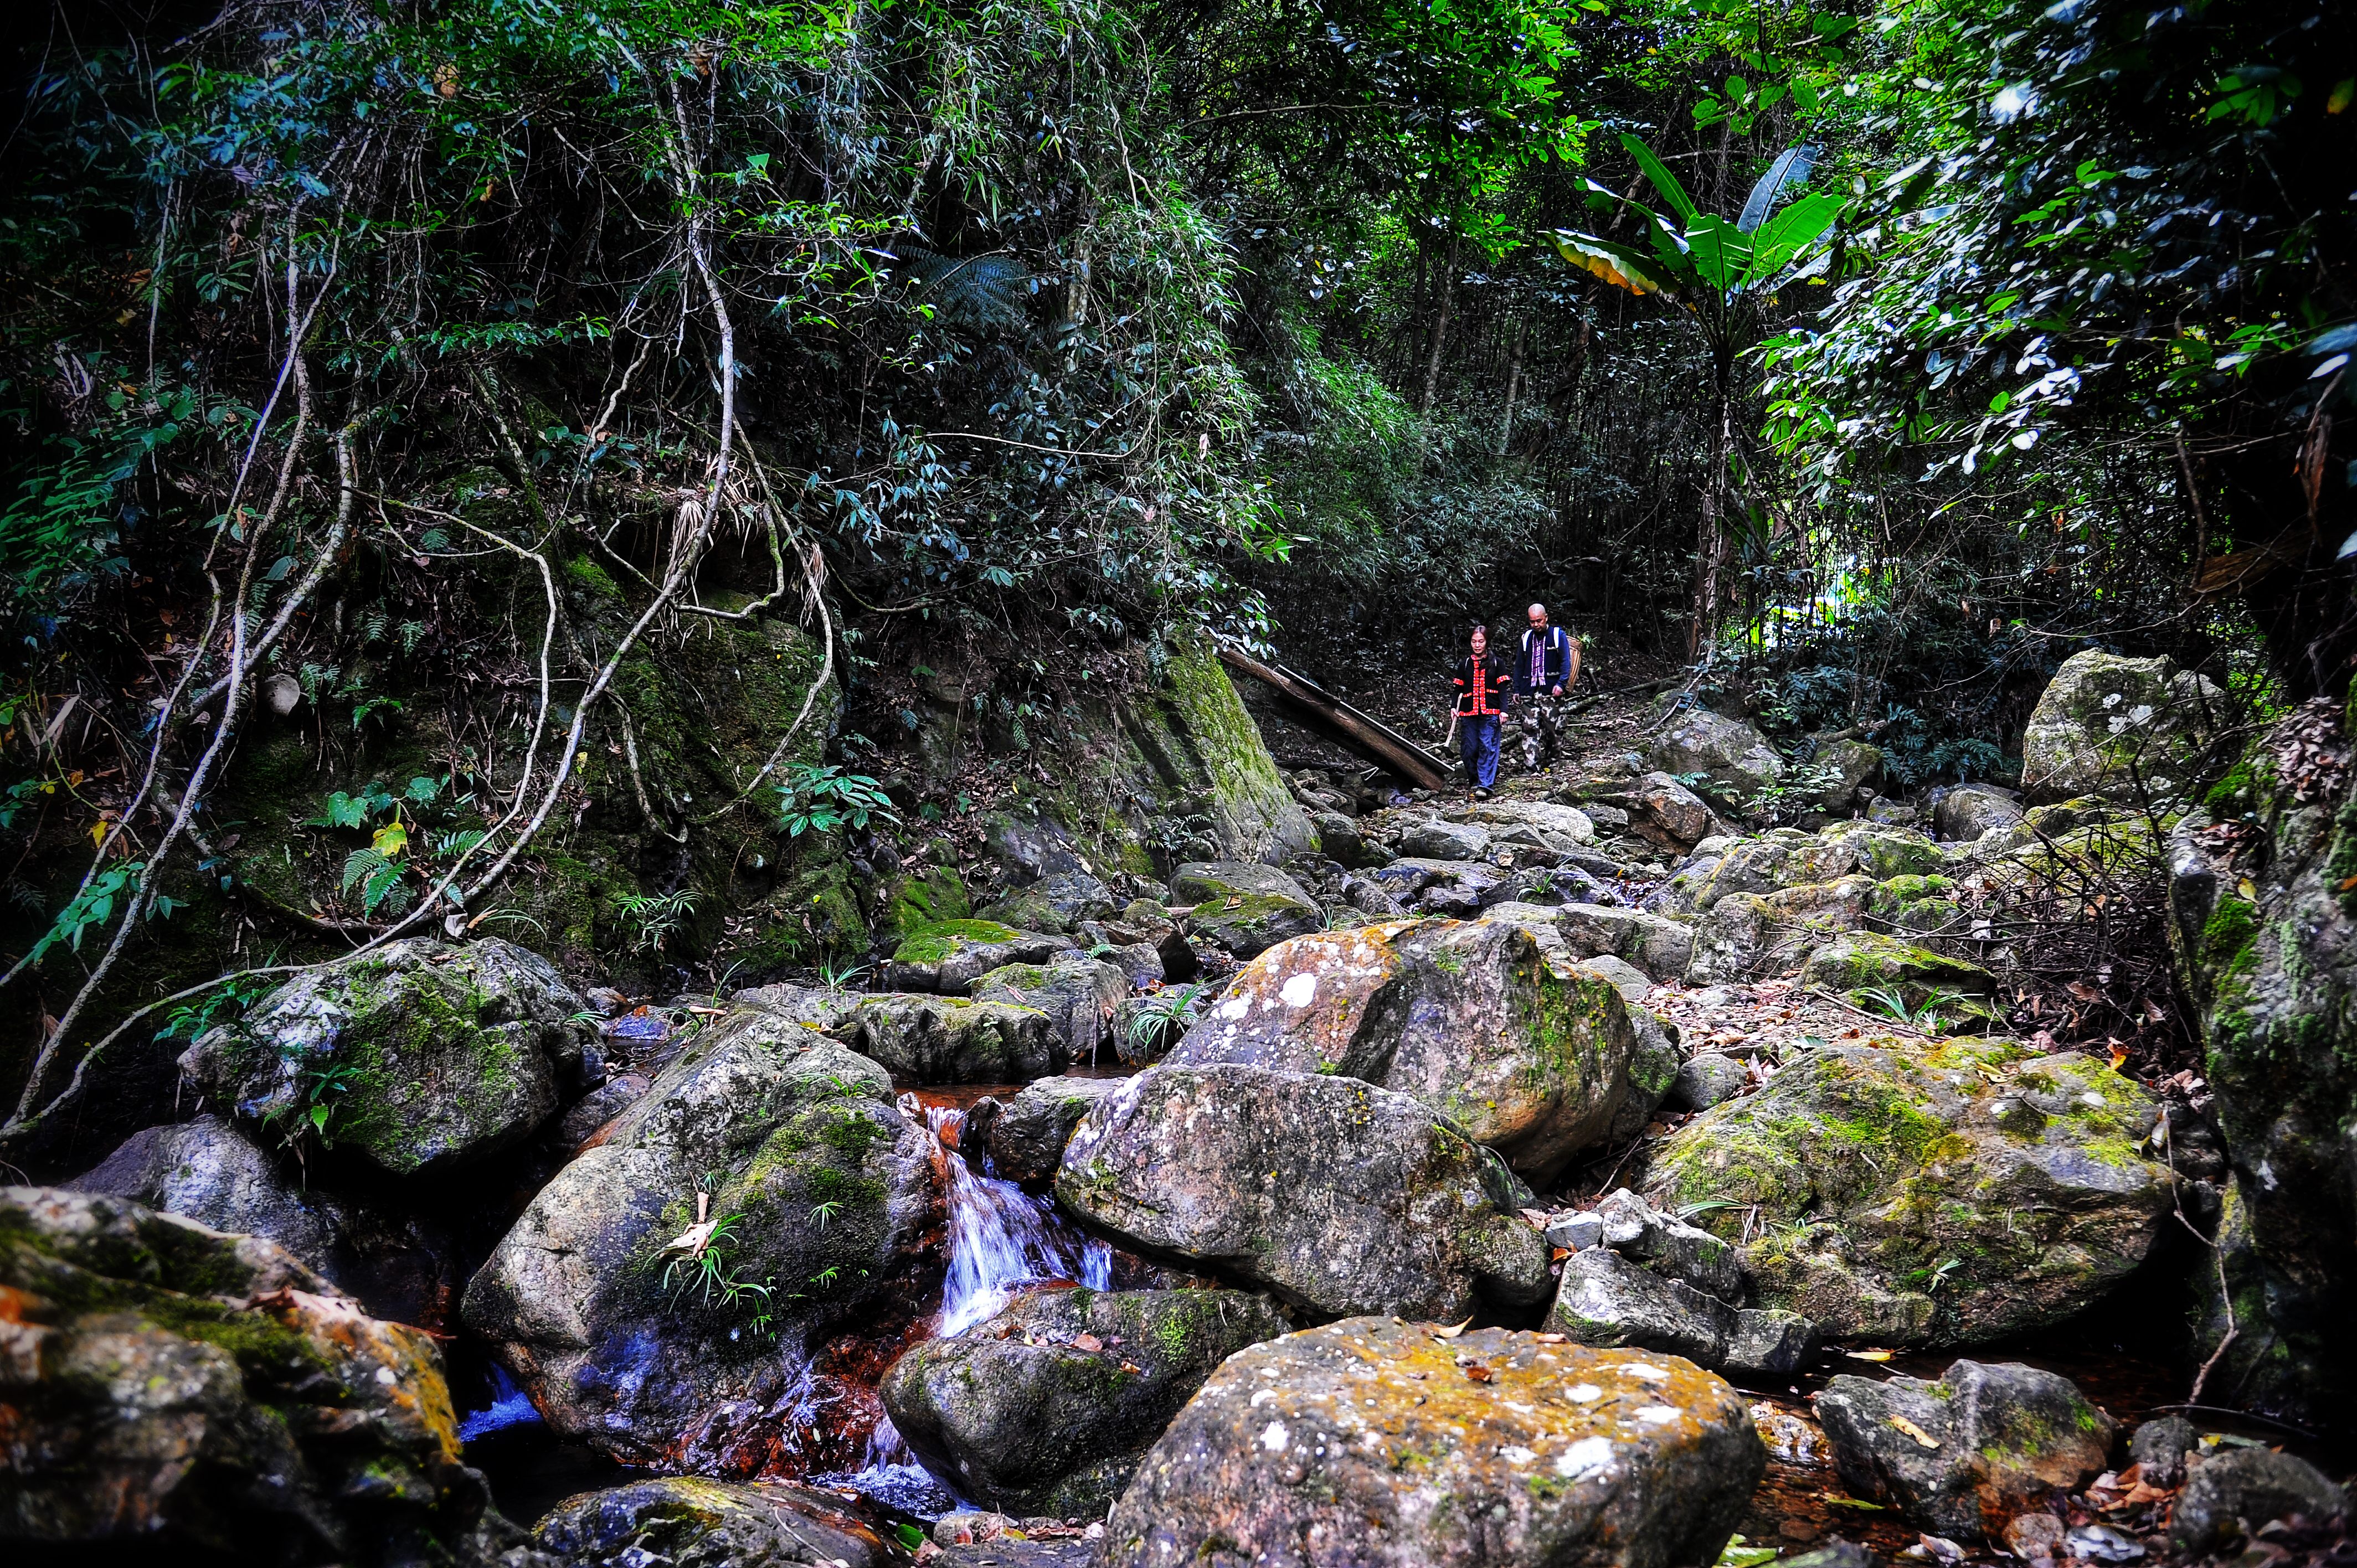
(435, 370)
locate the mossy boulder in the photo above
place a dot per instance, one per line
(1963, 1458)
(1522, 1051)
(949, 956)
(419, 1057)
(210, 1398)
(1079, 994)
(925, 898)
(1748, 936)
(2124, 729)
(1339, 1196)
(1729, 762)
(1869, 969)
(1659, 946)
(1243, 906)
(950, 1039)
(1195, 730)
(1063, 901)
(631, 1336)
(1788, 857)
(2264, 923)
(1910, 1196)
(1047, 1407)
(1379, 1438)
(691, 1519)
(1967, 812)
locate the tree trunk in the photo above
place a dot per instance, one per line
(1514, 382)
(1439, 330)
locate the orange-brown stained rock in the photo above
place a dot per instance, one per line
(1364, 1444)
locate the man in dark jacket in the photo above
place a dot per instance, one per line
(1544, 668)
(1482, 681)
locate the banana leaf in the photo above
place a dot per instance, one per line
(1719, 251)
(1664, 180)
(1791, 168)
(1791, 231)
(1623, 266)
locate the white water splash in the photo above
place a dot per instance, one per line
(1002, 1238)
(509, 1406)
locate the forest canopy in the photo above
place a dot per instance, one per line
(369, 357)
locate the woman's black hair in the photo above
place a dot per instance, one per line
(1482, 626)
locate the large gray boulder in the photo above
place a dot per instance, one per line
(1787, 857)
(1953, 1196)
(1023, 1137)
(1340, 1196)
(2127, 729)
(2264, 930)
(1243, 906)
(2250, 1487)
(639, 1336)
(204, 1397)
(419, 1057)
(1047, 1407)
(1659, 946)
(1526, 1053)
(1373, 1443)
(1962, 1457)
(1968, 811)
(207, 1171)
(1734, 760)
(1750, 936)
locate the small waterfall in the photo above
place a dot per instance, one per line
(509, 1406)
(1001, 1238)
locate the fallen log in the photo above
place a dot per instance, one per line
(1320, 711)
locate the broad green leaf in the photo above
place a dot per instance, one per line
(391, 839)
(1659, 173)
(1791, 231)
(1721, 253)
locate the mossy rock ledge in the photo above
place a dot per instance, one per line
(1243, 906)
(420, 1057)
(1937, 1197)
(949, 956)
(629, 1341)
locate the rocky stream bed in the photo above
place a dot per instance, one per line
(1576, 1177)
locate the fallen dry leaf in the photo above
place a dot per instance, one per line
(1130, 1367)
(1479, 1373)
(1915, 1432)
(1869, 1355)
(1452, 1331)
(1088, 1342)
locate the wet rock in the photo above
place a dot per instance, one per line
(689, 1519)
(1607, 1301)
(600, 1106)
(1658, 945)
(945, 1039)
(977, 1539)
(1340, 1196)
(1244, 908)
(1373, 1443)
(420, 1057)
(1047, 1408)
(1143, 922)
(1735, 759)
(629, 1340)
(1707, 1079)
(1834, 1554)
(1750, 936)
(206, 1170)
(206, 1394)
(2158, 1448)
(1670, 1246)
(2113, 727)
(1962, 1457)
(1078, 993)
(1445, 841)
(1023, 1137)
(2243, 1490)
(2261, 921)
(1968, 811)
(1529, 1055)
(1950, 1196)
(949, 956)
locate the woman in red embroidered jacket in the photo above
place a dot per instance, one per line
(1484, 681)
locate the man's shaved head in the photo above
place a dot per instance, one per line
(1538, 612)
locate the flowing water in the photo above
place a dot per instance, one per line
(1000, 1237)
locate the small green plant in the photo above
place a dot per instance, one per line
(1892, 1002)
(655, 918)
(93, 905)
(821, 1214)
(223, 1003)
(1159, 1022)
(850, 977)
(707, 1270)
(319, 1092)
(821, 800)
